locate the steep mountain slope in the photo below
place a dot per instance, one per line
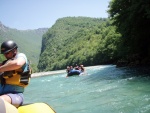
(29, 41)
(78, 40)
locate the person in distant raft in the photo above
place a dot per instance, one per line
(14, 74)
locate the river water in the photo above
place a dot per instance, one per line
(104, 89)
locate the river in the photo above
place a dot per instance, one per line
(104, 89)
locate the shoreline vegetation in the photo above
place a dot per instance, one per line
(48, 73)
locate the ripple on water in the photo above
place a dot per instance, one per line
(105, 89)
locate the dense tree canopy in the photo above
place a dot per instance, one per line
(132, 18)
(78, 40)
(93, 41)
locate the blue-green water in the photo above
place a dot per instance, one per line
(105, 89)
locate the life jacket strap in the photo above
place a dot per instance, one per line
(25, 77)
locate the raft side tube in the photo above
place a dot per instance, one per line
(74, 72)
(36, 108)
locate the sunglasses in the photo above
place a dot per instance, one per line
(7, 53)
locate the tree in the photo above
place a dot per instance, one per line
(132, 18)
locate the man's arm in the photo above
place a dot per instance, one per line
(13, 64)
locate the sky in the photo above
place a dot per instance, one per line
(34, 14)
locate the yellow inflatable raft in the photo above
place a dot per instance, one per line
(6, 107)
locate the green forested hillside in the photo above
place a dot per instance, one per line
(125, 35)
(132, 18)
(78, 40)
(29, 41)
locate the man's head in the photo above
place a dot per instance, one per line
(9, 48)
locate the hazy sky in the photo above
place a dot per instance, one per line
(34, 14)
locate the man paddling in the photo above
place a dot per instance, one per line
(14, 73)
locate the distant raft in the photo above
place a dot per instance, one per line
(74, 72)
(6, 107)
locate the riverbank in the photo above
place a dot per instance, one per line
(56, 72)
(47, 73)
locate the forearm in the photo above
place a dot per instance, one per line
(11, 65)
